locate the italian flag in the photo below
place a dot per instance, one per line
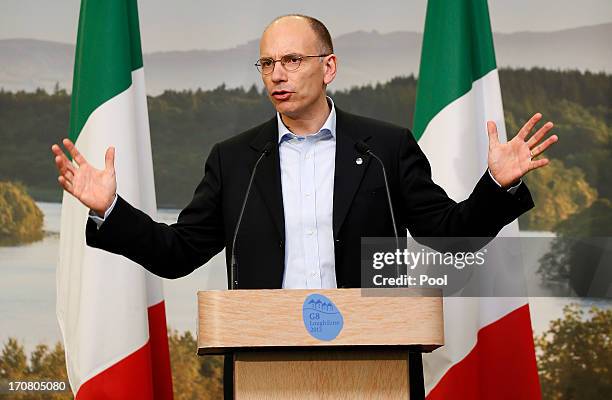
(489, 352)
(110, 310)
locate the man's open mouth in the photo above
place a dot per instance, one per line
(281, 94)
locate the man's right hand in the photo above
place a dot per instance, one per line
(93, 187)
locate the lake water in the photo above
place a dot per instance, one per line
(27, 287)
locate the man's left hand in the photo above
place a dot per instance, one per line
(509, 162)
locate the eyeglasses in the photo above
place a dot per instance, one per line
(290, 62)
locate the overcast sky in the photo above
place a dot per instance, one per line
(191, 24)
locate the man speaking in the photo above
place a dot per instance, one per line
(317, 188)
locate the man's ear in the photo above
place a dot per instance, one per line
(329, 69)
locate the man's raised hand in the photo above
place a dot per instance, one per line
(509, 162)
(93, 187)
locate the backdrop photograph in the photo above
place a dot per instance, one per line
(159, 111)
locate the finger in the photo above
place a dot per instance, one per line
(492, 131)
(69, 175)
(76, 156)
(63, 164)
(524, 131)
(67, 172)
(109, 158)
(60, 156)
(541, 148)
(539, 134)
(65, 184)
(57, 150)
(535, 164)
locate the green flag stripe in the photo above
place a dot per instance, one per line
(108, 50)
(134, 27)
(457, 50)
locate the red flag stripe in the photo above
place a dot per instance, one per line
(160, 354)
(145, 374)
(502, 364)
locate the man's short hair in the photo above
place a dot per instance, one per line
(318, 28)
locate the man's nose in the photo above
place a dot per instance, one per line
(279, 74)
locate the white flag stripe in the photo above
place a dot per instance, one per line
(455, 141)
(103, 297)
(146, 182)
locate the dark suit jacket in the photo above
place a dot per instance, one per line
(360, 207)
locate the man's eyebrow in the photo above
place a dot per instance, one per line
(286, 53)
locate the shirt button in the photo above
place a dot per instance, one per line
(314, 274)
(307, 194)
(308, 156)
(309, 232)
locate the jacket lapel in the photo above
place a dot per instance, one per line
(268, 177)
(349, 172)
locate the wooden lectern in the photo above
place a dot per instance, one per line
(276, 357)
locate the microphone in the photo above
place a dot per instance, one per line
(364, 149)
(234, 263)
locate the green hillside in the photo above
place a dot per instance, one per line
(185, 125)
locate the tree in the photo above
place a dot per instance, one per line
(194, 377)
(580, 256)
(559, 193)
(21, 220)
(575, 355)
(13, 364)
(43, 366)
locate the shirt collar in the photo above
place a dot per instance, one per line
(329, 125)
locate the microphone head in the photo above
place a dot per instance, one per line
(268, 148)
(362, 148)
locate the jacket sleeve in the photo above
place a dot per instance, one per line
(169, 251)
(429, 212)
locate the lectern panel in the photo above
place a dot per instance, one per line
(320, 375)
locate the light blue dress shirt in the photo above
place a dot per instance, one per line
(307, 165)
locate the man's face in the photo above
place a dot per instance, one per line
(293, 93)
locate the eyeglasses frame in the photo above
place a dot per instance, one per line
(301, 57)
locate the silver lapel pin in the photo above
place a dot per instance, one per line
(359, 161)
